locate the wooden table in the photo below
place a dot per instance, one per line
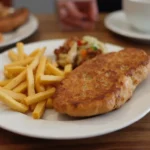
(134, 137)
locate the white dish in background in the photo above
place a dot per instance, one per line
(57, 126)
(21, 32)
(117, 23)
(138, 14)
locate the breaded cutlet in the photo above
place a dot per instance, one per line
(102, 84)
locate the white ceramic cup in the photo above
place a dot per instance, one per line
(138, 14)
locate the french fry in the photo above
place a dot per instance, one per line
(49, 103)
(35, 62)
(17, 96)
(21, 87)
(4, 82)
(24, 62)
(47, 79)
(47, 87)
(39, 110)
(39, 97)
(49, 60)
(32, 107)
(54, 70)
(68, 69)
(30, 87)
(15, 81)
(12, 55)
(27, 76)
(47, 71)
(30, 81)
(7, 74)
(1, 37)
(20, 48)
(34, 53)
(15, 69)
(54, 63)
(39, 72)
(13, 104)
(22, 76)
(25, 55)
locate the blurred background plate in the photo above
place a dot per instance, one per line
(117, 23)
(21, 33)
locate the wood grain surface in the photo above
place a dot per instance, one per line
(134, 137)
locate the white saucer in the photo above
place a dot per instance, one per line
(117, 22)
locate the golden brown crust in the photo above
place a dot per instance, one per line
(14, 20)
(102, 84)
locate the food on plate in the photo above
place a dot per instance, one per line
(77, 50)
(101, 84)
(12, 103)
(30, 81)
(4, 82)
(20, 51)
(27, 87)
(12, 55)
(1, 37)
(34, 83)
(39, 109)
(17, 96)
(49, 103)
(21, 88)
(4, 11)
(67, 69)
(13, 20)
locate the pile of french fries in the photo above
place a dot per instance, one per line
(30, 81)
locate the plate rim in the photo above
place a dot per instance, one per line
(126, 124)
(2, 45)
(119, 31)
(74, 137)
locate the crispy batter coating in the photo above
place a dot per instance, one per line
(102, 84)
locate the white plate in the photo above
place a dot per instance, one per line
(21, 33)
(57, 126)
(117, 22)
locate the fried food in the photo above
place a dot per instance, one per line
(20, 62)
(40, 71)
(17, 96)
(12, 55)
(39, 110)
(68, 69)
(1, 37)
(54, 70)
(14, 20)
(12, 103)
(49, 103)
(20, 48)
(49, 79)
(4, 11)
(23, 84)
(15, 81)
(102, 84)
(21, 87)
(30, 81)
(41, 96)
(4, 82)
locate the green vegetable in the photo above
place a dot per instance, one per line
(95, 48)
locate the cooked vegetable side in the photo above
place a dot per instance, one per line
(77, 50)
